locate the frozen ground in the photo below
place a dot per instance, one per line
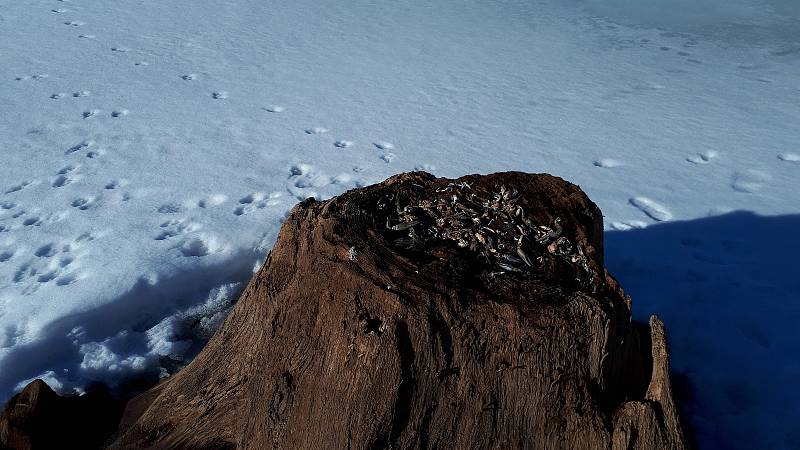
(150, 149)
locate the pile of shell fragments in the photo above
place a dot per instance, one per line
(496, 228)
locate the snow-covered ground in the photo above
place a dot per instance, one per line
(149, 150)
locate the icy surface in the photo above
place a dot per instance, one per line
(149, 151)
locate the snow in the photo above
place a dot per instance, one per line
(150, 150)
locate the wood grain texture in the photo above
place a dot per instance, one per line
(403, 350)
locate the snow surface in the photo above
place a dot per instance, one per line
(149, 151)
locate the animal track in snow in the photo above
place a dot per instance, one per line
(33, 77)
(19, 186)
(84, 203)
(46, 251)
(90, 113)
(388, 157)
(275, 109)
(8, 205)
(256, 200)
(188, 77)
(303, 177)
(87, 36)
(702, 158)
(76, 148)
(316, 130)
(32, 221)
(114, 184)
(53, 262)
(299, 169)
(120, 113)
(749, 181)
(221, 95)
(383, 145)
(606, 163)
(425, 167)
(212, 200)
(81, 94)
(59, 10)
(172, 228)
(250, 198)
(201, 245)
(651, 208)
(75, 23)
(789, 157)
(6, 255)
(343, 144)
(58, 96)
(63, 180)
(169, 208)
(120, 49)
(67, 169)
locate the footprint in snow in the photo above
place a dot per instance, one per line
(90, 113)
(316, 130)
(87, 36)
(256, 200)
(39, 76)
(63, 180)
(188, 77)
(221, 95)
(388, 157)
(78, 147)
(84, 203)
(120, 49)
(383, 145)
(75, 23)
(169, 208)
(275, 109)
(59, 10)
(32, 221)
(606, 163)
(176, 227)
(46, 251)
(343, 144)
(66, 169)
(81, 94)
(19, 186)
(58, 96)
(750, 181)
(212, 200)
(115, 184)
(200, 246)
(789, 157)
(702, 158)
(6, 254)
(651, 208)
(120, 113)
